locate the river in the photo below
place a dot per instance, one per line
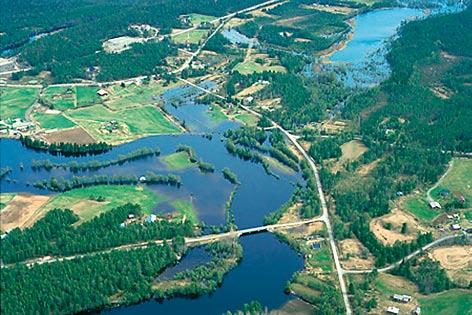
(257, 277)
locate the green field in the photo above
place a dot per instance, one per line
(250, 66)
(133, 122)
(133, 95)
(186, 209)
(177, 161)
(81, 200)
(191, 37)
(458, 180)
(15, 101)
(420, 209)
(216, 114)
(59, 97)
(196, 19)
(247, 119)
(52, 121)
(457, 302)
(87, 95)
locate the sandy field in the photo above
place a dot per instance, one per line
(71, 135)
(396, 218)
(21, 211)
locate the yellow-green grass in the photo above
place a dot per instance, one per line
(420, 209)
(322, 258)
(304, 292)
(216, 114)
(82, 202)
(458, 179)
(177, 161)
(247, 119)
(5, 198)
(197, 19)
(457, 302)
(59, 97)
(279, 166)
(250, 66)
(132, 95)
(138, 122)
(389, 284)
(15, 101)
(53, 121)
(191, 37)
(186, 208)
(87, 95)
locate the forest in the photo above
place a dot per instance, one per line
(67, 149)
(78, 28)
(56, 234)
(82, 284)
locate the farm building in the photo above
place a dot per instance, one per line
(393, 310)
(434, 205)
(150, 218)
(455, 227)
(401, 298)
(102, 93)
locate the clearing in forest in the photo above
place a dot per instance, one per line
(16, 101)
(457, 261)
(251, 66)
(388, 228)
(91, 201)
(22, 211)
(453, 190)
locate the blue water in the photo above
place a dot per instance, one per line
(363, 59)
(236, 37)
(265, 269)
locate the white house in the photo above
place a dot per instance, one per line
(393, 310)
(434, 205)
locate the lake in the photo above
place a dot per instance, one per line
(363, 58)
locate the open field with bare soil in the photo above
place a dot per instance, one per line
(22, 211)
(387, 228)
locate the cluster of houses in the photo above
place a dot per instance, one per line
(15, 126)
(402, 298)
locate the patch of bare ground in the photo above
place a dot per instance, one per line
(291, 215)
(352, 150)
(441, 91)
(22, 211)
(72, 135)
(290, 21)
(270, 104)
(332, 126)
(367, 168)
(387, 228)
(457, 261)
(329, 8)
(294, 307)
(302, 40)
(355, 255)
(251, 90)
